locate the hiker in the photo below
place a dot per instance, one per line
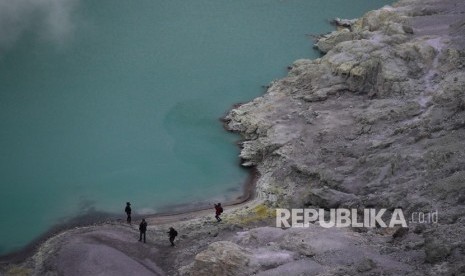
(128, 212)
(218, 211)
(142, 229)
(172, 234)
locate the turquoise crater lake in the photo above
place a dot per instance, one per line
(124, 104)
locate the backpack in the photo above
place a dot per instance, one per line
(220, 209)
(175, 233)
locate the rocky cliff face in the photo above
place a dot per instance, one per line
(378, 121)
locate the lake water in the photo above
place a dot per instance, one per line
(124, 104)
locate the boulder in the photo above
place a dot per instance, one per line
(327, 42)
(221, 258)
(346, 23)
(366, 265)
(329, 198)
(436, 251)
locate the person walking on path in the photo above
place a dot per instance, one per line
(142, 229)
(218, 211)
(172, 234)
(128, 212)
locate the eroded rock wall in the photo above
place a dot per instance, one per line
(378, 121)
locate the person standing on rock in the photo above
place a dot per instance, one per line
(172, 234)
(142, 229)
(128, 212)
(218, 211)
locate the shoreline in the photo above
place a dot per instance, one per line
(28, 250)
(248, 194)
(345, 130)
(99, 218)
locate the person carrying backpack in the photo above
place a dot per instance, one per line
(172, 234)
(218, 211)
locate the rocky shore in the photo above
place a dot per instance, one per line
(377, 122)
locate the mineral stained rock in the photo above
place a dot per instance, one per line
(221, 258)
(378, 121)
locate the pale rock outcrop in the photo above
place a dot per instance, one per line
(378, 121)
(299, 251)
(221, 258)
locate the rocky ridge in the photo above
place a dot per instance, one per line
(377, 122)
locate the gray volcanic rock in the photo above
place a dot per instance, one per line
(104, 250)
(329, 198)
(327, 42)
(221, 258)
(377, 122)
(305, 251)
(296, 251)
(436, 251)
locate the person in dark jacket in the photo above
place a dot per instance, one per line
(218, 211)
(142, 229)
(172, 234)
(128, 212)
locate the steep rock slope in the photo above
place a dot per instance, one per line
(377, 122)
